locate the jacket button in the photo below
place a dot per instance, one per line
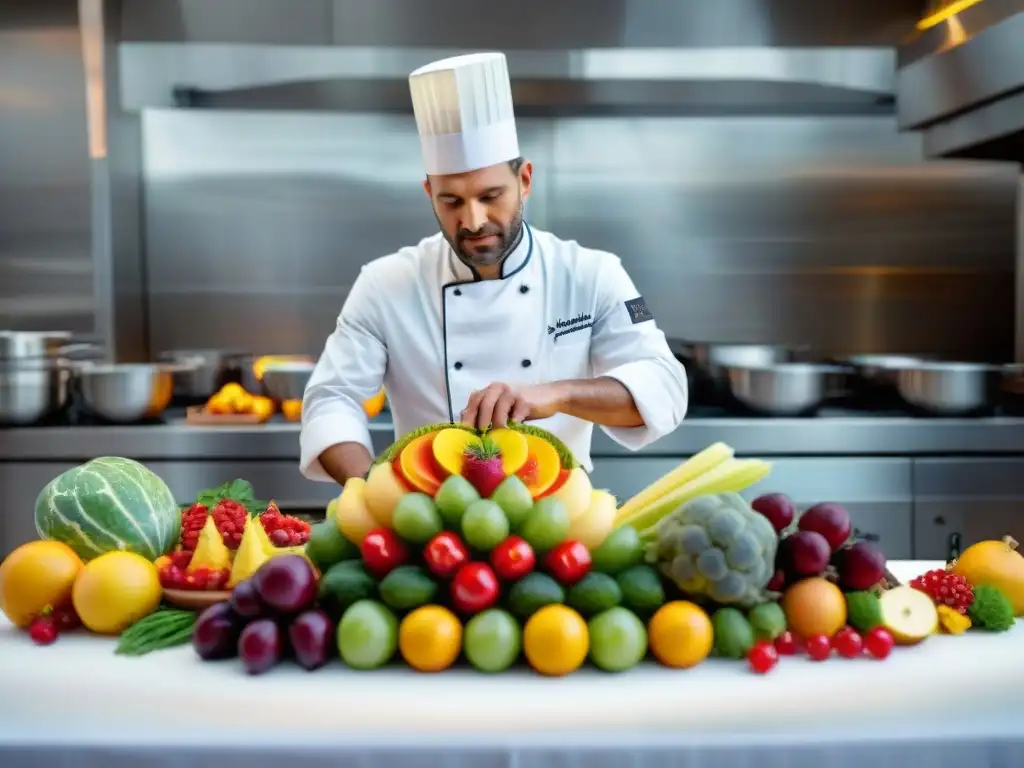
(524, 289)
(458, 366)
(527, 363)
(457, 292)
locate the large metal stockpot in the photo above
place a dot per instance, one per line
(31, 392)
(783, 389)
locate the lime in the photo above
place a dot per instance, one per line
(596, 592)
(453, 499)
(514, 499)
(492, 641)
(344, 584)
(484, 526)
(734, 637)
(642, 590)
(533, 592)
(416, 519)
(367, 635)
(768, 620)
(618, 640)
(547, 524)
(619, 551)
(326, 546)
(407, 587)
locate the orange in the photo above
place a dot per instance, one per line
(680, 634)
(34, 577)
(375, 404)
(556, 640)
(292, 410)
(814, 607)
(430, 638)
(115, 590)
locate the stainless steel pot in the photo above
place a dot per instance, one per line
(948, 388)
(31, 392)
(783, 389)
(125, 393)
(44, 345)
(199, 373)
(707, 363)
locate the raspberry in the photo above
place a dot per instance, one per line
(284, 530)
(946, 588)
(192, 520)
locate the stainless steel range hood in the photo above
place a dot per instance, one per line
(961, 83)
(574, 56)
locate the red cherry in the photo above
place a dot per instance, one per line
(43, 631)
(848, 643)
(65, 618)
(762, 657)
(819, 647)
(786, 644)
(879, 642)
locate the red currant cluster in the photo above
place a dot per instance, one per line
(284, 530)
(44, 629)
(946, 588)
(847, 642)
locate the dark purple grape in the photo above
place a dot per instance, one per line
(216, 632)
(312, 638)
(245, 601)
(286, 584)
(260, 646)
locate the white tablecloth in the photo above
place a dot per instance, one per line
(948, 695)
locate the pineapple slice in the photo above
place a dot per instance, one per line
(211, 551)
(250, 555)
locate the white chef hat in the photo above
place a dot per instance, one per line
(464, 114)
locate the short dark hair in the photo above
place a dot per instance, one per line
(516, 164)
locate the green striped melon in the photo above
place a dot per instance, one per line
(108, 505)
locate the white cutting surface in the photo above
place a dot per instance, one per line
(79, 684)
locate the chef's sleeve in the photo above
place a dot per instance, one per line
(350, 371)
(628, 346)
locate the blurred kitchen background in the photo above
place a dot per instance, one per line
(825, 180)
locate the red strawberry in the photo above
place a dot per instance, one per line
(481, 465)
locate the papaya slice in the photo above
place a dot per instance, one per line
(419, 468)
(542, 467)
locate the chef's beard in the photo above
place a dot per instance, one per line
(475, 256)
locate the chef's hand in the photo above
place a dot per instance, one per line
(499, 404)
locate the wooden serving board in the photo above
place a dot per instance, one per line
(198, 415)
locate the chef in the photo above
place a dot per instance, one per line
(490, 319)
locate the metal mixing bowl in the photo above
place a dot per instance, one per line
(44, 345)
(782, 389)
(287, 380)
(200, 373)
(31, 392)
(949, 389)
(126, 392)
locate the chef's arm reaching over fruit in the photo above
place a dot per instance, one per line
(335, 441)
(628, 346)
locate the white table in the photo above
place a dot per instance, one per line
(950, 701)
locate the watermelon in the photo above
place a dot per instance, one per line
(109, 505)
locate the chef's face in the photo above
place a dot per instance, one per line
(481, 212)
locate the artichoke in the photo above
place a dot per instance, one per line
(715, 547)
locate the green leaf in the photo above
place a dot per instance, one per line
(240, 491)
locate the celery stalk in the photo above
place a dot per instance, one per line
(711, 457)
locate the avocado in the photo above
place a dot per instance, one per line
(343, 584)
(642, 590)
(594, 593)
(533, 592)
(407, 587)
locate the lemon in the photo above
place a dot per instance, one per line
(114, 591)
(680, 634)
(430, 638)
(556, 640)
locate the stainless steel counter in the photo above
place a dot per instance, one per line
(833, 434)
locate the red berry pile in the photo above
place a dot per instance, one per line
(230, 517)
(847, 642)
(283, 530)
(45, 629)
(946, 589)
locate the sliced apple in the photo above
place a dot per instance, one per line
(419, 465)
(909, 614)
(514, 449)
(450, 447)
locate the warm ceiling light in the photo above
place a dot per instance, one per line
(945, 11)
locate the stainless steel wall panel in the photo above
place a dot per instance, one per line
(825, 231)
(281, 22)
(45, 264)
(256, 225)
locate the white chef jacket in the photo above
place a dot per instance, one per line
(418, 322)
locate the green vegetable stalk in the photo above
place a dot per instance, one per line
(163, 629)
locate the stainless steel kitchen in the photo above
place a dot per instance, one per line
(195, 183)
(821, 204)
